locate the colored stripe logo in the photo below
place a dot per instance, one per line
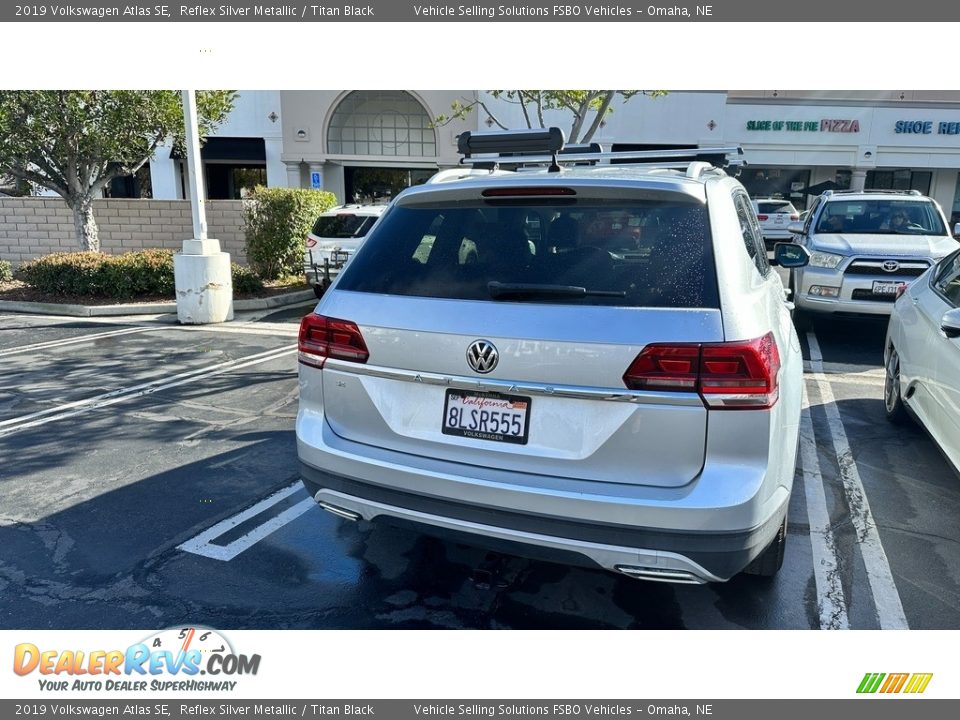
(913, 683)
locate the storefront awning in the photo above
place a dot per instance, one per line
(240, 150)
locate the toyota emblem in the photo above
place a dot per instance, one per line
(482, 356)
(891, 266)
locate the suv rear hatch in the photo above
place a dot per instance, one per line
(566, 286)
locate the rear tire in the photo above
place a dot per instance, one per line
(894, 408)
(321, 286)
(769, 562)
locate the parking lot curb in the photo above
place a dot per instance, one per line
(162, 308)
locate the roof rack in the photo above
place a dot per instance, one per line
(540, 147)
(872, 191)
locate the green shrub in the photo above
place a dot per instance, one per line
(276, 221)
(6, 271)
(133, 274)
(130, 275)
(244, 280)
(138, 274)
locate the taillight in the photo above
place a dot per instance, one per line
(762, 217)
(310, 241)
(664, 367)
(740, 374)
(729, 376)
(322, 337)
(794, 216)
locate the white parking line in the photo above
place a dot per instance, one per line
(13, 425)
(201, 544)
(832, 368)
(831, 603)
(886, 598)
(72, 341)
(265, 328)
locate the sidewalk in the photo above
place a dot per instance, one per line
(162, 308)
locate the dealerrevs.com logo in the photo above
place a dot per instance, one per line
(170, 660)
(890, 683)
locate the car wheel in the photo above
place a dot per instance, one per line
(896, 411)
(769, 562)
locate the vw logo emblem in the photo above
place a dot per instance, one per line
(482, 356)
(891, 266)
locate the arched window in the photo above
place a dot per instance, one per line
(383, 123)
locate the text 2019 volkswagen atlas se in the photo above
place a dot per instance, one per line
(587, 360)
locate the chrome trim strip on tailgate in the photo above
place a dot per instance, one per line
(512, 387)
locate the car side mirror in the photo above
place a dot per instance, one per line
(797, 228)
(950, 323)
(788, 255)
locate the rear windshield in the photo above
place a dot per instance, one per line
(342, 226)
(881, 217)
(776, 207)
(637, 254)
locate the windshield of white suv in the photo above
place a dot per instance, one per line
(635, 254)
(342, 225)
(880, 216)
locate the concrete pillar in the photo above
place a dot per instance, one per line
(276, 169)
(943, 188)
(201, 271)
(293, 174)
(858, 179)
(164, 174)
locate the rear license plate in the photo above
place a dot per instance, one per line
(778, 219)
(886, 287)
(487, 416)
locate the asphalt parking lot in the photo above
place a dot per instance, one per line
(148, 478)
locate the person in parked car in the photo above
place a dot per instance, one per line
(833, 224)
(899, 222)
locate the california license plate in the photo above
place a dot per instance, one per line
(487, 416)
(886, 287)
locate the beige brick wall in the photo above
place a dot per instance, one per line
(35, 226)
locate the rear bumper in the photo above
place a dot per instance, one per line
(692, 554)
(775, 234)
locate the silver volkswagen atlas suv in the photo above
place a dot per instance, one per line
(572, 359)
(865, 247)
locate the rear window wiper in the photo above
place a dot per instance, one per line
(499, 290)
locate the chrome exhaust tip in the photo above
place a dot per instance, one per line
(339, 511)
(683, 577)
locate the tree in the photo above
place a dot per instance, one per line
(75, 142)
(589, 108)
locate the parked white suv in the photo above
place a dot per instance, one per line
(594, 363)
(864, 247)
(775, 216)
(333, 239)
